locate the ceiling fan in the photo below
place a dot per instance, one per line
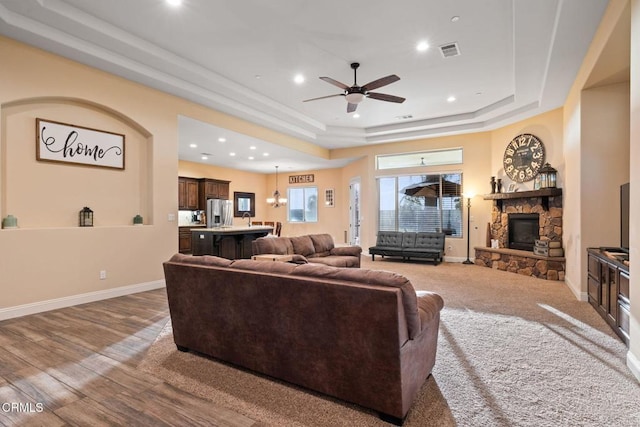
(355, 94)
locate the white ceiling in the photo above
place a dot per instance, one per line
(517, 59)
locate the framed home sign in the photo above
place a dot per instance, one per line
(66, 143)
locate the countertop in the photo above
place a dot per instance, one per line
(235, 229)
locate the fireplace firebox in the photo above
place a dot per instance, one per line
(524, 230)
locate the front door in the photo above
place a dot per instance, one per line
(354, 211)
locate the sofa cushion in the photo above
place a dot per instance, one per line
(322, 243)
(201, 260)
(371, 277)
(272, 245)
(337, 261)
(408, 239)
(389, 238)
(263, 266)
(426, 240)
(302, 245)
(346, 250)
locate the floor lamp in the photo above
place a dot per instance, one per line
(468, 196)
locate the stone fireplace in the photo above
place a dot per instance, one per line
(517, 220)
(549, 217)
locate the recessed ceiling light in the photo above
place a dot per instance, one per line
(455, 18)
(251, 157)
(232, 154)
(356, 116)
(451, 99)
(265, 154)
(258, 76)
(222, 139)
(422, 46)
(298, 79)
(253, 147)
(174, 3)
(193, 145)
(204, 158)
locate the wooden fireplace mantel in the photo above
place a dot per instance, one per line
(544, 194)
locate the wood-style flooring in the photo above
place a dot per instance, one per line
(77, 367)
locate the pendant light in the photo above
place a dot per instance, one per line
(276, 201)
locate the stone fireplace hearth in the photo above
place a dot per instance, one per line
(546, 205)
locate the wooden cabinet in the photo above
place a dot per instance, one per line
(184, 240)
(213, 189)
(188, 194)
(608, 290)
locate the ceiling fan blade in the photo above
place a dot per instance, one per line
(323, 97)
(385, 97)
(335, 83)
(381, 82)
(351, 107)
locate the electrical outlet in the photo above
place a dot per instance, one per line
(449, 247)
(103, 274)
(171, 217)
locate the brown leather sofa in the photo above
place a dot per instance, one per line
(317, 248)
(359, 335)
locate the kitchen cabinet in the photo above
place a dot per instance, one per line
(188, 194)
(213, 189)
(184, 240)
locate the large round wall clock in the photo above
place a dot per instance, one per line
(523, 157)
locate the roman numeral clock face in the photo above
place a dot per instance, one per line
(523, 157)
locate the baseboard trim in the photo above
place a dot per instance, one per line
(581, 296)
(633, 363)
(54, 304)
(456, 259)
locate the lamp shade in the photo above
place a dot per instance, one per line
(354, 98)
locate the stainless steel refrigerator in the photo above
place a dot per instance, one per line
(219, 213)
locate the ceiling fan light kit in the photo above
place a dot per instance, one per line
(355, 94)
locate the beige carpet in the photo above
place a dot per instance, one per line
(513, 351)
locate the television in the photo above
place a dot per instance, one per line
(624, 217)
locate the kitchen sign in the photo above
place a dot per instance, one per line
(65, 143)
(300, 179)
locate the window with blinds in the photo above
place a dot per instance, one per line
(421, 203)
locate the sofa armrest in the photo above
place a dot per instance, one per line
(298, 259)
(429, 306)
(346, 250)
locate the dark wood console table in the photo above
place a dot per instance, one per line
(608, 288)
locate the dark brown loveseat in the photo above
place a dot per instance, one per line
(359, 335)
(317, 248)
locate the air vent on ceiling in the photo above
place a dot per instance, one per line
(449, 49)
(206, 154)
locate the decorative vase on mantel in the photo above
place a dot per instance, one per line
(499, 185)
(493, 184)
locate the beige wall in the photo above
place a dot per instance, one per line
(634, 353)
(597, 120)
(50, 261)
(583, 146)
(604, 164)
(547, 127)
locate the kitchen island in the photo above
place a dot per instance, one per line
(232, 242)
